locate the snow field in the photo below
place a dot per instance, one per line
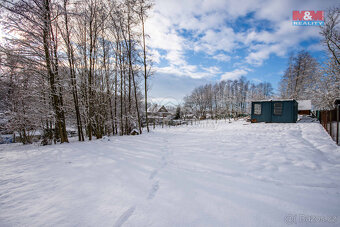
(208, 174)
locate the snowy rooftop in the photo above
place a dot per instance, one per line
(304, 104)
(273, 100)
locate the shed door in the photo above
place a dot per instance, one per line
(278, 108)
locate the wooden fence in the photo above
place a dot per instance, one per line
(330, 121)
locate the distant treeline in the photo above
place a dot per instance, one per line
(226, 98)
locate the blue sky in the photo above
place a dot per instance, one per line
(194, 42)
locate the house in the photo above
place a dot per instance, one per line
(274, 111)
(163, 112)
(304, 107)
(158, 114)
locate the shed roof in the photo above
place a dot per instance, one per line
(274, 100)
(304, 104)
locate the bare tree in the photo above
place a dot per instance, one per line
(143, 7)
(66, 34)
(331, 33)
(299, 77)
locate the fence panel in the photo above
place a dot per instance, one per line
(329, 119)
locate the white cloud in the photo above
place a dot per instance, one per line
(284, 37)
(198, 17)
(221, 57)
(316, 47)
(207, 28)
(162, 34)
(257, 58)
(192, 71)
(155, 56)
(234, 74)
(224, 39)
(212, 70)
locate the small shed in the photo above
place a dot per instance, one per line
(304, 107)
(274, 111)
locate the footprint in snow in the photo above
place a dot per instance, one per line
(153, 190)
(164, 162)
(125, 216)
(153, 174)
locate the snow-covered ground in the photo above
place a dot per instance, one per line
(211, 174)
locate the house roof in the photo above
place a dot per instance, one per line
(304, 104)
(163, 110)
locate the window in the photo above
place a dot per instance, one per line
(278, 108)
(257, 109)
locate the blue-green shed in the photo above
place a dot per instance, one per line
(274, 111)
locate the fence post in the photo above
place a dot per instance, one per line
(330, 124)
(337, 124)
(326, 123)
